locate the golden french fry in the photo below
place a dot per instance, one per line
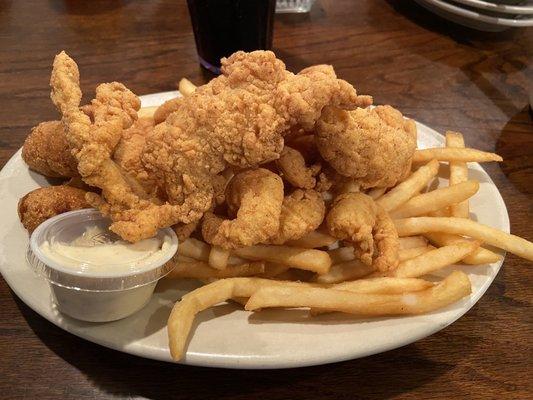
(194, 248)
(462, 226)
(240, 300)
(147, 112)
(408, 188)
(313, 240)
(451, 154)
(181, 258)
(443, 212)
(406, 254)
(376, 193)
(309, 259)
(288, 275)
(274, 270)
(451, 289)
(218, 257)
(202, 270)
(186, 87)
(436, 199)
(409, 242)
(434, 260)
(183, 313)
(348, 270)
(458, 174)
(341, 254)
(480, 256)
(385, 285)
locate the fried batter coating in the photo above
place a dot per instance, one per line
(374, 146)
(292, 166)
(356, 218)
(306, 146)
(92, 142)
(301, 212)
(184, 231)
(254, 198)
(47, 152)
(129, 150)
(238, 118)
(167, 108)
(44, 203)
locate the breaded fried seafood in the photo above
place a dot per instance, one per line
(357, 219)
(291, 165)
(254, 199)
(238, 119)
(302, 212)
(129, 150)
(373, 146)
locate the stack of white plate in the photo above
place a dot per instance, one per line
(485, 15)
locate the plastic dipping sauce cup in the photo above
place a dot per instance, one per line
(95, 276)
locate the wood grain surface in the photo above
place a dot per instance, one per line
(445, 76)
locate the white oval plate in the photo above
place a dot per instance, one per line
(226, 336)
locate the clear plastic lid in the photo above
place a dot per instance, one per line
(116, 275)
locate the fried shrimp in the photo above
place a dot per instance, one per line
(356, 218)
(301, 212)
(254, 198)
(374, 146)
(164, 110)
(292, 166)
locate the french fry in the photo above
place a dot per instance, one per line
(406, 254)
(309, 259)
(384, 285)
(443, 212)
(195, 248)
(240, 300)
(218, 257)
(451, 154)
(186, 87)
(462, 226)
(408, 188)
(376, 193)
(434, 260)
(408, 242)
(480, 256)
(202, 270)
(183, 313)
(341, 254)
(436, 200)
(451, 289)
(273, 270)
(346, 271)
(147, 112)
(313, 240)
(458, 174)
(182, 258)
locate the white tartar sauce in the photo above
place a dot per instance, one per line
(94, 251)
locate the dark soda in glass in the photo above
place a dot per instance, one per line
(222, 27)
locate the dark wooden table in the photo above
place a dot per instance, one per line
(441, 74)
